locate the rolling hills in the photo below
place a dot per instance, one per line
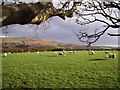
(35, 44)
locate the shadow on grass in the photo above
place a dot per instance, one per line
(96, 59)
(55, 56)
(51, 56)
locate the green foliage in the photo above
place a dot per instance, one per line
(46, 70)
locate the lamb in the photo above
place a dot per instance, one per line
(112, 55)
(5, 54)
(61, 53)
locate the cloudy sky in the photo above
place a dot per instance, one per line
(59, 30)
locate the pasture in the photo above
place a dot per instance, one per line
(46, 70)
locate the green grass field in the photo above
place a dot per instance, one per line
(46, 70)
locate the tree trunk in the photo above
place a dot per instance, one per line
(35, 13)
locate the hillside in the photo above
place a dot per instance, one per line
(35, 44)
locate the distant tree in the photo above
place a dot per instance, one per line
(5, 31)
(86, 12)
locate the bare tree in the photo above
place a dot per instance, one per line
(5, 31)
(86, 12)
(34, 13)
(94, 11)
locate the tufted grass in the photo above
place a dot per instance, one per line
(46, 70)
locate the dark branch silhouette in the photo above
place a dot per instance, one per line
(34, 13)
(95, 11)
(92, 11)
(113, 34)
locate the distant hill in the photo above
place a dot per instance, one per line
(35, 44)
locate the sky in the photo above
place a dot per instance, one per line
(61, 31)
(58, 30)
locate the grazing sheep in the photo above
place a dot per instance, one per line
(9, 53)
(61, 53)
(91, 53)
(74, 51)
(37, 52)
(112, 55)
(64, 52)
(28, 51)
(70, 51)
(107, 52)
(5, 54)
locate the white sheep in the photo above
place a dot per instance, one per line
(37, 52)
(70, 51)
(64, 52)
(74, 51)
(5, 54)
(112, 55)
(91, 53)
(28, 51)
(9, 53)
(60, 53)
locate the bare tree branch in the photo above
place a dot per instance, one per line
(113, 34)
(34, 13)
(86, 13)
(91, 13)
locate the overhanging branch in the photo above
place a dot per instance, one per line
(33, 13)
(113, 34)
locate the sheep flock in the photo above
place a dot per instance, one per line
(65, 53)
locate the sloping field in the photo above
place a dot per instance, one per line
(41, 43)
(29, 41)
(46, 70)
